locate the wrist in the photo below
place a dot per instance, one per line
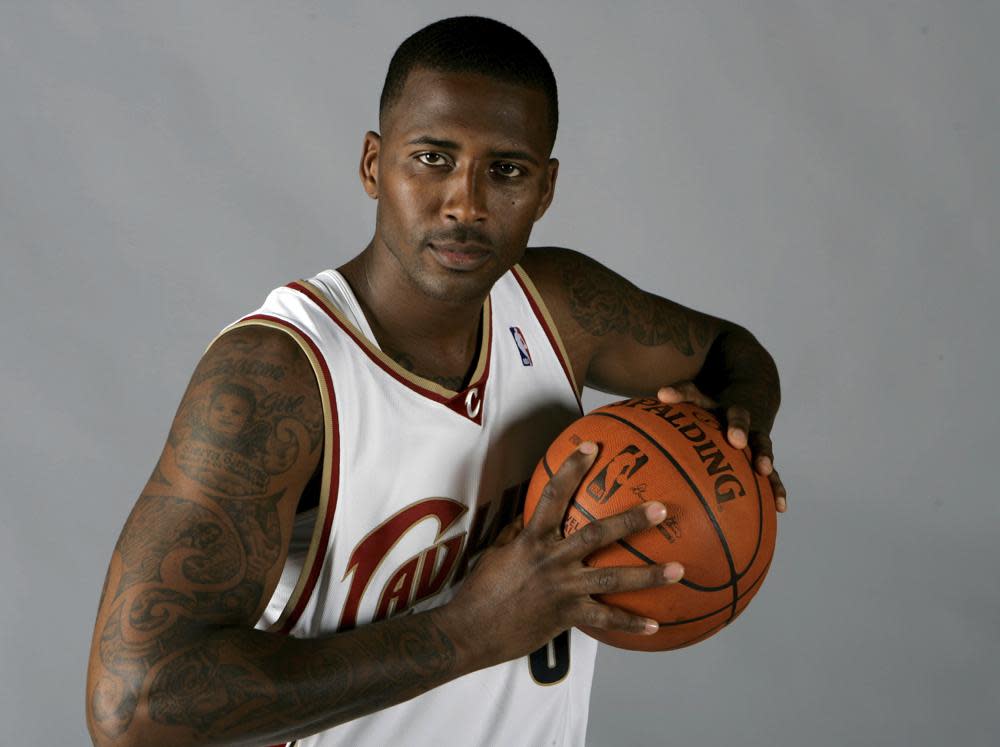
(452, 621)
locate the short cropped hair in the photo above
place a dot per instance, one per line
(472, 44)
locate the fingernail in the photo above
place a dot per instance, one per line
(673, 572)
(588, 447)
(737, 438)
(656, 512)
(766, 466)
(668, 391)
(782, 505)
(651, 627)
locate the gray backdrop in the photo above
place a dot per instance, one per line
(825, 173)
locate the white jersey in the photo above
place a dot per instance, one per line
(417, 480)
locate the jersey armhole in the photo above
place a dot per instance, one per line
(548, 324)
(300, 594)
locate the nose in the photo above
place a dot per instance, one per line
(465, 201)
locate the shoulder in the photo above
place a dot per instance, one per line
(567, 281)
(548, 265)
(566, 277)
(577, 289)
(250, 339)
(252, 336)
(272, 358)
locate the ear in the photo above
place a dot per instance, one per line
(551, 172)
(368, 171)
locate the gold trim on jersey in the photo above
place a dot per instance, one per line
(317, 543)
(536, 296)
(486, 325)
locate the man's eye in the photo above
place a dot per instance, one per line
(508, 169)
(431, 159)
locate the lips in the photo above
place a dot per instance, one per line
(462, 257)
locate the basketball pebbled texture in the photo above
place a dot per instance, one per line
(721, 522)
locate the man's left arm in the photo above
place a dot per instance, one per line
(625, 341)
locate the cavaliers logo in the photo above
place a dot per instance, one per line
(420, 576)
(445, 561)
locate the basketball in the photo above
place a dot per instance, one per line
(721, 521)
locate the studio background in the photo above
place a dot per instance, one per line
(825, 173)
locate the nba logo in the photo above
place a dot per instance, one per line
(616, 472)
(522, 346)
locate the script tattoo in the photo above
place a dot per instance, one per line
(602, 302)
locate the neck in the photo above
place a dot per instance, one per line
(439, 337)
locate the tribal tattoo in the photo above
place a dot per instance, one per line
(603, 302)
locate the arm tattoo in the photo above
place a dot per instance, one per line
(602, 302)
(205, 536)
(188, 576)
(271, 683)
(158, 477)
(238, 434)
(217, 551)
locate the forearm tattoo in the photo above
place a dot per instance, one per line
(270, 684)
(603, 303)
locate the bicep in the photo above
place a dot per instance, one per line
(621, 339)
(206, 540)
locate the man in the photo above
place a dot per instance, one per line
(351, 451)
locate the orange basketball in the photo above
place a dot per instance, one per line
(721, 521)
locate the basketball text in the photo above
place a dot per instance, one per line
(727, 485)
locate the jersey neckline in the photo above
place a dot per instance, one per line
(466, 402)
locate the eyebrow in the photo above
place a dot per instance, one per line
(514, 155)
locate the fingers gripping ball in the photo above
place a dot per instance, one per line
(720, 523)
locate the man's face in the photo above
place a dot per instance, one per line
(461, 173)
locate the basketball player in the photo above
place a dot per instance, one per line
(327, 551)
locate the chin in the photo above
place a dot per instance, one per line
(457, 287)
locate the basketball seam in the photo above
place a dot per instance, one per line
(707, 615)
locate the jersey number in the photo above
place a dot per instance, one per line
(550, 663)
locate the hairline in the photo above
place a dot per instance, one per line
(424, 67)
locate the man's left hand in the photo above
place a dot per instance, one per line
(738, 432)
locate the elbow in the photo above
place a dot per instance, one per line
(115, 712)
(107, 729)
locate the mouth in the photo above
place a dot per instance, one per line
(461, 257)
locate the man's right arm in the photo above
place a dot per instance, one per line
(175, 658)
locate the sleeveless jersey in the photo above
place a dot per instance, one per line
(417, 480)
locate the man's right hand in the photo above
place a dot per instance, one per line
(533, 584)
